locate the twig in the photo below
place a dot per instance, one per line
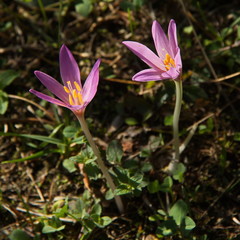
(35, 185)
(49, 216)
(226, 77)
(33, 103)
(217, 199)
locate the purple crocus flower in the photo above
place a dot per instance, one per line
(71, 95)
(167, 64)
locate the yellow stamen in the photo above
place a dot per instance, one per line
(172, 62)
(74, 93)
(80, 99)
(70, 99)
(69, 86)
(77, 86)
(169, 62)
(66, 89)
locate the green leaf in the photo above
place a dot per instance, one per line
(70, 131)
(69, 165)
(35, 137)
(109, 195)
(123, 189)
(189, 224)
(19, 234)
(7, 77)
(79, 140)
(102, 221)
(146, 167)
(168, 120)
(161, 212)
(166, 185)
(153, 187)
(3, 102)
(138, 3)
(35, 155)
(105, 221)
(155, 217)
(179, 172)
(131, 121)
(167, 228)
(86, 156)
(84, 8)
(114, 152)
(92, 170)
(50, 229)
(96, 210)
(188, 29)
(236, 136)
(179, 211)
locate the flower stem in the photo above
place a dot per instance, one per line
(176, 114)
(99, 160)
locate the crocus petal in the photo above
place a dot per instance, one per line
(68, 67)
(178, 60)
(144, 53)
(160, 40)
(48, 98)
(172, 35)
(153, 75)
(148, 75)
(52, 85)
(172, 73)
(91, 83)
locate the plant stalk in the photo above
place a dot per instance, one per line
(176, 115)
(99, 160)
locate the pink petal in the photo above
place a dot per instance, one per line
(68, 67)
(153, 75)
(173, 73)
(160, 40)
(144, 53)
(52, 85)
(172, 35)
(48, 98)
(91, 83)
(147, 75)
(178, 60)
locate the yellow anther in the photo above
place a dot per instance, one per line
(168, 57)
(69, 86)
(70, 99)
(168, 62)
(66, 89)
(77, 86)
(167, 67)
(80, 99)
(172, 62)
(74, 93)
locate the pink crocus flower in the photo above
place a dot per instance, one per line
(167, 64)
(71, 95)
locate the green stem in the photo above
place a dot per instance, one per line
(40, 3)
(99, 160)
(176, 114)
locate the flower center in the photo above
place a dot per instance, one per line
(169, 62)
(74, 93)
